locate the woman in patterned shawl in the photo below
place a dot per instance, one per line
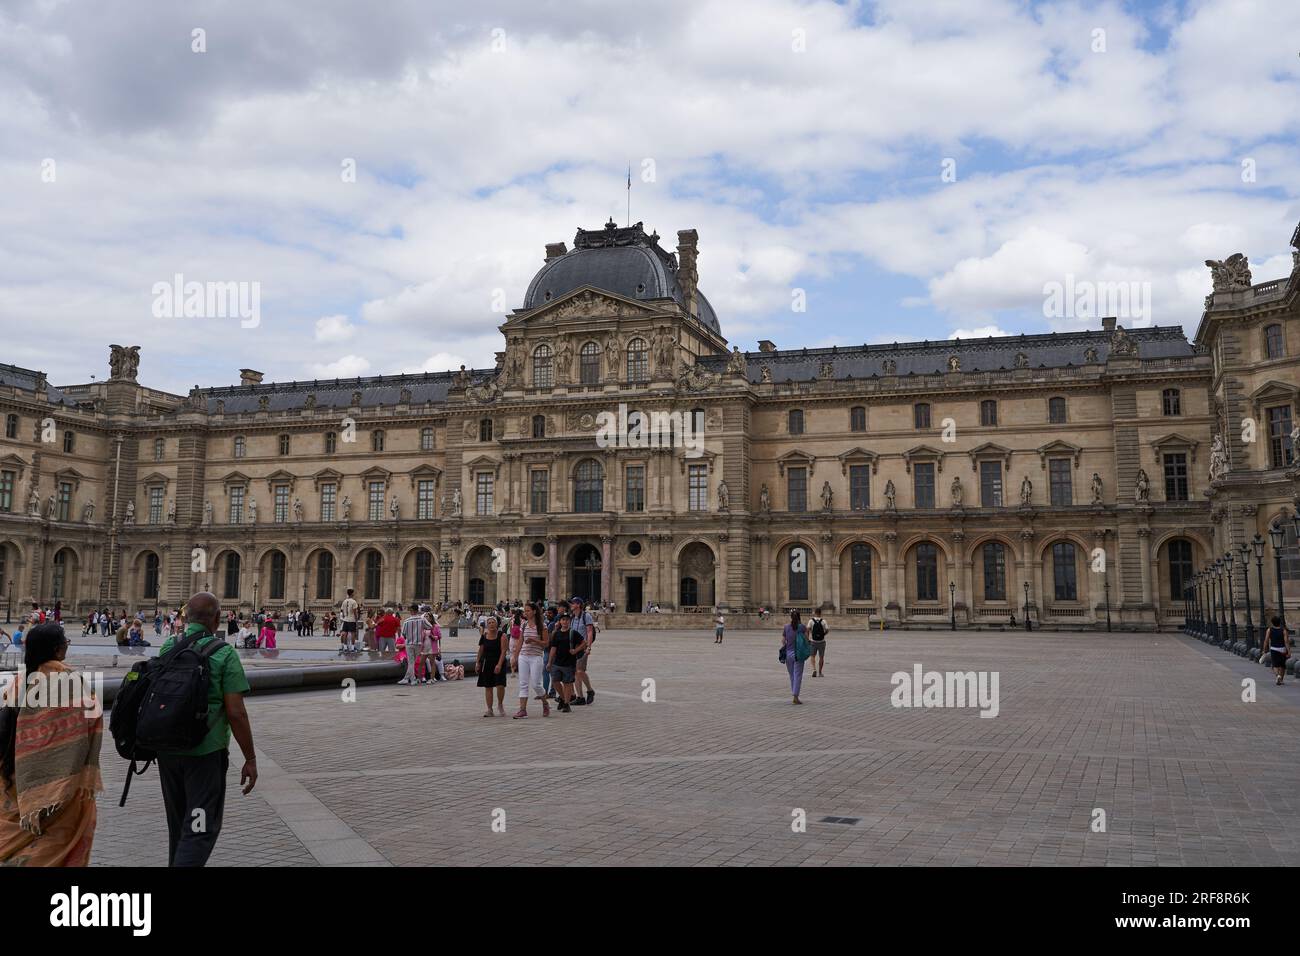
(49, 760)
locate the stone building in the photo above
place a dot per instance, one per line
(619, 450)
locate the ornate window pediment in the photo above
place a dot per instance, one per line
(1175, 442)
(796, 458)
(923, 453)
(990, 450)
(1058, 449)
(236, 479)
(376, 473)
(73, 476)
(281, 477)
(483, 463)
(425, 472)
(14, 462)
(705, 457)
(1274, 392)
(858, 456)
(326, 475)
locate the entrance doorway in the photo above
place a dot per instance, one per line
(635, 599)
(585, 573)
(536, 589)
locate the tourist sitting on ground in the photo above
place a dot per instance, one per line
(135, 636)
(123, 637)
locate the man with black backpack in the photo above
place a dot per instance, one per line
(194, 779)
(817, 631)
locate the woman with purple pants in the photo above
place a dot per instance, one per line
(790, 649)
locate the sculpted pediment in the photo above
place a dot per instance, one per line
(583, 302)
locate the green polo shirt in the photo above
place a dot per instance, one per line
(227, 678)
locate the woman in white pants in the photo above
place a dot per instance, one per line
(531, 662)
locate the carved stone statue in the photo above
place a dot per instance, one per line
(309, 401)
(957, 492)
(764, 501)
(891, 496)
(487, 391)
(123, 361)
(692, 378)
(394, 508)
(460, 379)
(890, 366)
(34, 503)
(297, 510)
(1022, 360)
(88, 512)
(1143, 486)
(827, 496)
(1218, 459)
(1231, 274)
(665, 350)
(765, 374)
(724, 496)
(954, 363)
(264, 403)
(49, 507)
(1096, 488)
(404, 396)
(345, 508)
(1026, 491)
(130, 513)
(252, 511)
(1121, 343)
(736, 363)
(171, 511)
(207, 514)
(564, 363)
(455, 502)
(1090, 356)
(612, 356)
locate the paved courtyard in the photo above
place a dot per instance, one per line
(1150, 728)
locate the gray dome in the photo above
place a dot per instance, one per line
(626, 262)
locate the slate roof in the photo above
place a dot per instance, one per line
(27, 379)
(335, 393)
(1054, 350)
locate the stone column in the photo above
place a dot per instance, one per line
(887, 561)
(606, 566)
(720, 589)
(553, 566)
(823, 567)
(1144, 545)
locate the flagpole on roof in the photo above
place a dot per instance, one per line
(629, 195)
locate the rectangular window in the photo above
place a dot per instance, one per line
(483, 493)
(859, 487)
(159, 449)
(65, 501)
(1281, 449)
(281, 504)
(424, 499)
(485, 429)
(923, 484)
(635, 488)
(995, 572)
(921, 415)
(155, 505)
(796, 494)
(1065, 584)
(376, 501)
(698, 487)
(331, 442)
(236, 505)
(426, 439)
(988, 412)
(991, 484)
(1176, 477)
(1060, 482)
(7, 479)
(328, 493)
(539, 491)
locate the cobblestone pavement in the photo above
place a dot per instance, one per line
(1150, 728)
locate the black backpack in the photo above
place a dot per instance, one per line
(163, 705)
(818, 629)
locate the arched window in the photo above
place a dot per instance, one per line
(284, 444)
(377, 440)
(588, 487)
(795, 421)
(638, 361)
(241, 446)
(151, 576)
(798, 580)
(589, 364)
(277, 576)
(995, 571)
(1056, 410)
(1180, 567)
(927, 572)
(539, 426)
(860, 565)
(1171, 401)
(1064, 584)
(1274, 342)
(373, 572)
(858, 418)
(324, 576)
(543, 367)
(423, 575)
(230, 587)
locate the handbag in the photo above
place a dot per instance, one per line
(780, 655)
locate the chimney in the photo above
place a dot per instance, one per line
(687, 275)
(1108, 324)
(555, 249)
(766, 345)
(248, 376)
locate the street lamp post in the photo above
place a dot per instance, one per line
(1028, 626)
(1223, 603)
(1244, 552)
(1277, 537)
(952, 603)
(1232, 601)
(1257, 545)
(1106, 588)
(1214, 603)
(445, 564)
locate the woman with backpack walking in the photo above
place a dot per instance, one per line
(817, 631)
(794, 652)
(49, 764)
(1279, 647)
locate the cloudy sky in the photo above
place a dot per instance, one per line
(918, 169)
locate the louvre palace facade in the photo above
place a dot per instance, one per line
(1082, 474)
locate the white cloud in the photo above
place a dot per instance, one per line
(349, 366)
(984, 331)
(334, 328)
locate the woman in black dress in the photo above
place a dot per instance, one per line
(1279, 647)
(490, 666)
